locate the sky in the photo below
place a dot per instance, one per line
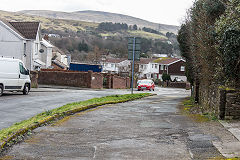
(158, 11)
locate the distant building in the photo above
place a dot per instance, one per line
(115, 65)
(173, 66)
(148, 68)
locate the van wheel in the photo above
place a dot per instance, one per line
(26, 89)
(1, 90)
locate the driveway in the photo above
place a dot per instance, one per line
(15, 107)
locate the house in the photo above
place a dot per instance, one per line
(46, 53)
(115, 65)
(175, 67)
(148, 68)
(60, 60)
(21, 40)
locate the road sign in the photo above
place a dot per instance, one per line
(134, 47)
(137, 47)
(136, 57)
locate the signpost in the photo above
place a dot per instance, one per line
(134, 47)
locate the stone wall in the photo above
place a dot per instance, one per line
(231, 98)
(34, 79)
(222, 102)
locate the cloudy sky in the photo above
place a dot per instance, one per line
(159, 11)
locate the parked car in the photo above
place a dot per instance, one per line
(147, 84)
(14, 76)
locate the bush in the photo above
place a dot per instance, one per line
(166, 77)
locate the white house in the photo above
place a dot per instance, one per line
(46, 53)
(60, 59)
(21, 40)
(148, 68)
(115, 65)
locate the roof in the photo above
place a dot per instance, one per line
(167, 60)
(115, 60)
(27, 29)
(46, 43)
(145, 60)
(11, 27)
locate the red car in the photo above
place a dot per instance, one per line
(145, 84)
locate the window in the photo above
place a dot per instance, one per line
(155, 66)
(36, 48)
(24, 50)
(182, 68)
(152, 65)
(145, 66)
(141, 66)
(161, 68)
(22, 69)
(112, 65)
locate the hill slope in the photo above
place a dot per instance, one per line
(98, 17)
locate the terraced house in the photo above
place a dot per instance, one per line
(22, 40)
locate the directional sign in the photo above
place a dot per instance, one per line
(136, 47)
(136, 57)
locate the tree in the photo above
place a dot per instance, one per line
(135, 27)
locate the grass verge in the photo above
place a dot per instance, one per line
(194, 111)
(21, 128)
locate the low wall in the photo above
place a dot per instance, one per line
(230, 104)
(69, 78)
(118, 82)
(34, 79)
(185, 85)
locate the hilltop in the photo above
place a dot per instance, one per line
(98, 17)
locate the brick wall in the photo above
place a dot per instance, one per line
(119, 82)
(73, 79)
(97, 80)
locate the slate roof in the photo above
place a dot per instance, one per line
(26, 29)
(115, 60)
(145, 60)
(10, 26)
(169, 61)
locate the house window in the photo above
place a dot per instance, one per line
(152, 65)
(182, 68)
(145, 66)
(36, 48)
(141, 66)
(24, 50)
(112, 65)
(161, 68)
(155, 66)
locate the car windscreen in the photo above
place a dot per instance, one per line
(145, 82)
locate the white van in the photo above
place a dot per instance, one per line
(14, 76)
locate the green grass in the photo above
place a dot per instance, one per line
(62, 111)
(147, 35)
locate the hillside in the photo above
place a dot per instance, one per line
(98, 17)
(81, 39)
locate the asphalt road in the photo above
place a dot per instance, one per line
(15, 107)
(151, 128)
